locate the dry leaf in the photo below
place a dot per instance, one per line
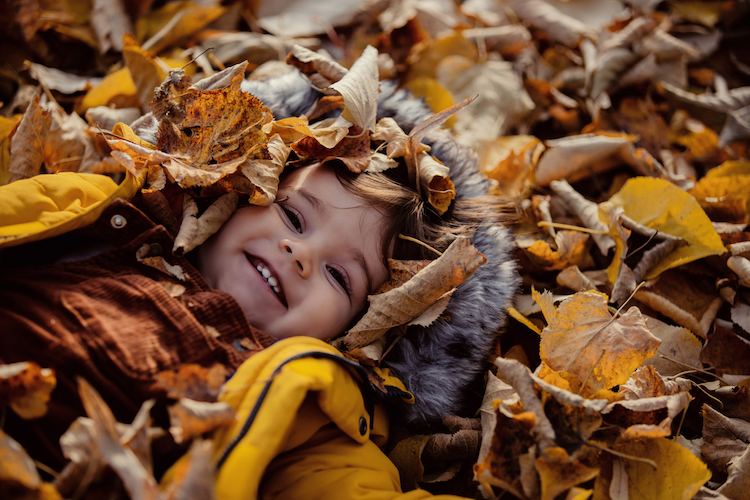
(511, 161)
(388, 130)
(737, 485)
(26, 388)
(401, 305)
(189, 418)
(435, 182)
(572, 250)
(195, 230)
(558, 473)
(680, 347)
(16, 466)
(353, 150)
(194, 382)
(585, 210)
(146, 72)
(688, 300)
(359, 88)
(727, 352)
(311, 63)
(159, 263)
(585, 340)
(137, 480)
(407, 456)
(724, 438)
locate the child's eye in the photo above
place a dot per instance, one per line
(340, 279)
(293, 218)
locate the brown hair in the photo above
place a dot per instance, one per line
(406, 213)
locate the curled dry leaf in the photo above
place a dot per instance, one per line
(328, 132)
(16, 466)
(587, 211)
(189, 418)
(26, 388)
(435, 182)
(137, 480)
(738, 483)
(311, 63)
(571, 250)
(359, 88)
(388, 131)
(601, 350)
(195, 230)
(724, 438)
(353, 150)
(403, 304)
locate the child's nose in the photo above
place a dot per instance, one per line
(300, 253)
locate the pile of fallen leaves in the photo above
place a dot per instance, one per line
(621, 128)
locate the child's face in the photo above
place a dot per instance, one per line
(304, 265)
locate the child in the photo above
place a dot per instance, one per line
(302, 266)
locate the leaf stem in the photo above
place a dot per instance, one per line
(623, 455)
(559, 225)
(418, 242)
(694, 369)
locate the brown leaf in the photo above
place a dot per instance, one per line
(137, 480)
(353, 150)
(198, 480)
(189, 418)
(724, 438)
(401, 305)
(195, 230)
(727, 352)
(435, 182)
(26, 387)
(737, 486)
(194, 382)
(159, 263)
(311, 63)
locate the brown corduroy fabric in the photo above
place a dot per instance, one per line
(112, 320)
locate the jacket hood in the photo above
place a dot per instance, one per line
(436, 363)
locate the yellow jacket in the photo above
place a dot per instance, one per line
(303, 430)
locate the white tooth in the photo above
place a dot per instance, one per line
(272, 281)
(259, 268)
(265, 272)
(275, 289)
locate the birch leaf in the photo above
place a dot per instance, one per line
(359, 88)
(678, 475)
(585, 340)
(559, 473)
(401, 305)
(660, 205)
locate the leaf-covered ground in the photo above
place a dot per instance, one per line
(620, 127)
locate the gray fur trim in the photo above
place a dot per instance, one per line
(437, 363)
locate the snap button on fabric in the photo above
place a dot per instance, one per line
(156, 249)
(362, 426)
(118, 221)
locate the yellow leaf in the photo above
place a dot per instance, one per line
(147, 74)
(585, 340)
(188, 20)
(678, 476)
(663, 206)
(426, 61)
(572, 249)
(559, 473)
(434, 94)
(724, 193)
(6, 127)
(511, 161)
(116, 88)
(16, 466)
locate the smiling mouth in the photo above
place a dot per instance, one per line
(267, 275)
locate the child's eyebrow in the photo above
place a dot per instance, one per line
(318, 206)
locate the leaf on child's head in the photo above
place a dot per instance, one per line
(407, 302)
(328, 132)
(26, 388)
(312, 63)
(435, 182)
(195, 230)
(359, 88)
(353, 150)
(194, 382)
(388, 131)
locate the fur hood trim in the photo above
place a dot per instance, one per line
(439, 362)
